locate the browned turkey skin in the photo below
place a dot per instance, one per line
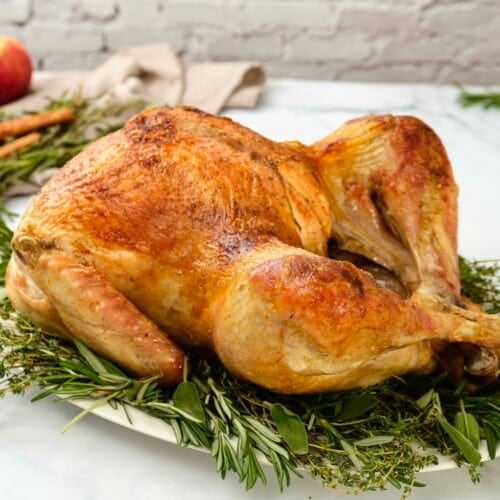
(189, 231)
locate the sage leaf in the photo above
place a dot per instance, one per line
(491, 439)
(467, 449)
(374, 441)
(468, 426)
(187, 398)
(291, 428)
(355, 406)
(425, 400)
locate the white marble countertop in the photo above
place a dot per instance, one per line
(97, 459)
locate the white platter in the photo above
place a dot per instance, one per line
(156, 428)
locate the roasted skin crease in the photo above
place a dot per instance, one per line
(189, 232)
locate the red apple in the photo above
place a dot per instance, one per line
(15, 70)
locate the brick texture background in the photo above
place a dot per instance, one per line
(363, 40)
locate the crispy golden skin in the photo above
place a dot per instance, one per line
(189, 231)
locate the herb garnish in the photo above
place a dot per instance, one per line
(358, 440)
(481, 282)
(484, 99)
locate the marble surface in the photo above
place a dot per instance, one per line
(97, 459)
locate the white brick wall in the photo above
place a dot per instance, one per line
(375, 40)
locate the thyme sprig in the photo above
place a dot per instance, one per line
(358, 440)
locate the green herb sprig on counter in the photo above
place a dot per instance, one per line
(357, 440)
(485, 99)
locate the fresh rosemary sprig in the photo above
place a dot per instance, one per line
(358, 440)
(485, 99)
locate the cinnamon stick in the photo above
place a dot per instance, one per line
(18, 144)
(28, 123)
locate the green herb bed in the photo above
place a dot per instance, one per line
(358, 440)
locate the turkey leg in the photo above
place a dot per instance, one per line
(297, 322)
(94, 312)
(394, 199)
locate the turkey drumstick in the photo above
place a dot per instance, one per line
(394, 199)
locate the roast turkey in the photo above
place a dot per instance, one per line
(186, 232)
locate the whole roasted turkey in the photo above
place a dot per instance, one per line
(185, 231)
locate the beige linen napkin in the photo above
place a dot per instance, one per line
(154, 74)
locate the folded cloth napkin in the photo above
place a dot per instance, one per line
(154, 74)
